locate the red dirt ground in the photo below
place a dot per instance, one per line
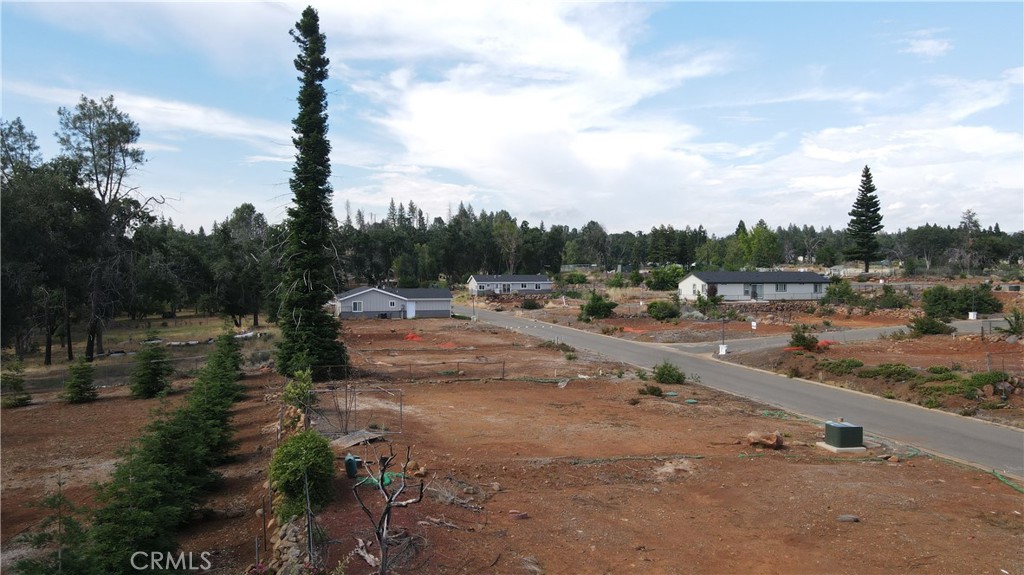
(563, 468)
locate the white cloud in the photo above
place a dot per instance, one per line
(169, 117)
(922, 43)
(543, 109)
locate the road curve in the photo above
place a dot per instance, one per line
(972, 441)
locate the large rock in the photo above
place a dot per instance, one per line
(771, 440)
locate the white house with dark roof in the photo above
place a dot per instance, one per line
(372, 302)
(753, 286)
(509, 284)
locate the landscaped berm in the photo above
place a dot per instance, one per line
(541, 459)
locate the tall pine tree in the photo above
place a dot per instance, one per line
(310, 334)
(865, 222)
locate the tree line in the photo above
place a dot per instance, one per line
(81, 246)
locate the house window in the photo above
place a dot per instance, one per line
(357, 307)
(522, 286)
(780, 287)
(817, 288)
(746, 289)
(696, 290)
(536, 286)
(392, 303)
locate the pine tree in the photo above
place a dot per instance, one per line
(152, 372)
(12, 385)
(865, 222)
(310, 334)
(79, 387)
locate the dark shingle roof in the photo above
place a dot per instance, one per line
(511, 278)
(423, 293)
(760, 277)
(404, 293)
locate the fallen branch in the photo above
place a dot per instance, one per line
(362, 550)
(438, 521)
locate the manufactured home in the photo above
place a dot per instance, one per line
(753, 286)
(372, 302)
(509, 284)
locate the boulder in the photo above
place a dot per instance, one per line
(771, 440)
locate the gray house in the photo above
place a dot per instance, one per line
(371, 302)
(509, 284)
(747, 286)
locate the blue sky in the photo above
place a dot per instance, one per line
(633, 115)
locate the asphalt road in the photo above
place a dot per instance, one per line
(972, 441)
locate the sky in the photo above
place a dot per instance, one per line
(634, 115)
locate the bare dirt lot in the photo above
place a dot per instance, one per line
(542, 461)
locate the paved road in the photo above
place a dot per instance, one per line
(985, 445)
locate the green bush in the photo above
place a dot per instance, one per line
(892, 300)
(304, 456)
(841, 292)
(984, 378)
(152, 373)
(662, 310)
(948, 376)
(298, 392)
(560, 346)
(617, 281)
(649, 389)
(665, 278)
(531, 303)
(12, 386)
(636, 278)
(939, 369)
(574, 278)
(944, 303)
(597, 307)
(79, 387)
(668, 373)
(839, 366)
(1015, 319)
(802, 339)
(889, 371)
(708, 305)
(929, 325)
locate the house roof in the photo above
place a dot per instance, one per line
(423, 293)
(759, 277)
(401, 293)
(535, 278)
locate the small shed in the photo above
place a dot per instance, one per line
(398, 303)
